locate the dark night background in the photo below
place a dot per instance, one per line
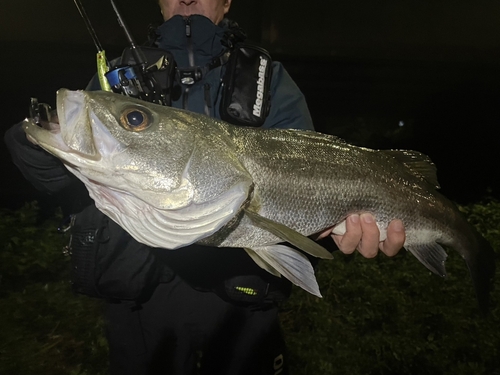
(366, 67)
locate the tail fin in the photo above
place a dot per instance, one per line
(480, 260)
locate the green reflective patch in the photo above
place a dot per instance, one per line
(248, 291)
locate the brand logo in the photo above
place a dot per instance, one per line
(257, 107)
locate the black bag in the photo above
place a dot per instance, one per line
(108, 263)
(246, 99)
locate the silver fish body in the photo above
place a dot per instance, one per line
(172, 178)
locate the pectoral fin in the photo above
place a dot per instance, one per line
(289, 262)
(289, 235)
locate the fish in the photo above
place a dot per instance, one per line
(171, 178)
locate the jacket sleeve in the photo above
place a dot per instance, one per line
(44, 171)
(288, 105)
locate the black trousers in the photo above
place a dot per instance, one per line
(180, 330)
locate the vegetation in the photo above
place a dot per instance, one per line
(44, 327)
(379, 316)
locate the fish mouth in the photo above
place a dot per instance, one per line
(62, 138)
(53, 128)
(47, 136)
(78, 138)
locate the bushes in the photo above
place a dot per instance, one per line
(45, 328)
(378, 316)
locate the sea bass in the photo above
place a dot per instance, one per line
(172, 178)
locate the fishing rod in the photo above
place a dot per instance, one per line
(140, 59)
(102, 62)
(135, 77)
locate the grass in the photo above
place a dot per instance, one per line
(379, 316)
(44, 327)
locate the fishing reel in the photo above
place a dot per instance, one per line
(152, 83)
(136, 77)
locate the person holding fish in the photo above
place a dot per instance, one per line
(198, 309)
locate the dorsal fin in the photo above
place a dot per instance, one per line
(420, 164)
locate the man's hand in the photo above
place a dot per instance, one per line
(362, 234)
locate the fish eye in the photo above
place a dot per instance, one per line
(135, 119)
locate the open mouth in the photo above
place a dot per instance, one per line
(53, 127)
(43, 134)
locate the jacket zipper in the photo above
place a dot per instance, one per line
(206, 86)
(191, 61)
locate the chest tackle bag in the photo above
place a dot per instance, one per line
(246, 97)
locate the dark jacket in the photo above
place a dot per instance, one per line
(194, 43)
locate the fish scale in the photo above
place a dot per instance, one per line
(326, 186)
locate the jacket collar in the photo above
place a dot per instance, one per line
(194, 38)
